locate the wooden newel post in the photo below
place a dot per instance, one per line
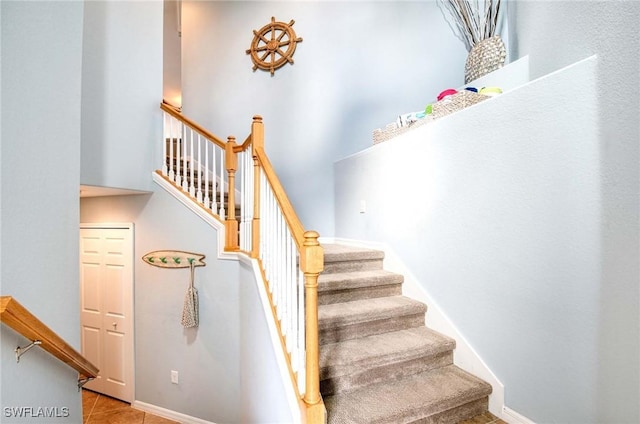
(312, 264)
(257, 142)
(231, 224)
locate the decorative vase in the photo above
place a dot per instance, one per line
(485, 56)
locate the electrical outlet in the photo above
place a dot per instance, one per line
(174, 377)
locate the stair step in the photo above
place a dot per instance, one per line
(340, 258)
(361, 318)
(363, 361)
(348, 286)
(443, 395)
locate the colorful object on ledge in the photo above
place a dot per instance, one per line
(447, 92)
(409, 118)
(473, 89)
(490, 91)
(429, 109)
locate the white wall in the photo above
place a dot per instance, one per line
(207, 359)
(501, 224)
(41, 71)
(555, 34)
(361, 64)
(121, 92)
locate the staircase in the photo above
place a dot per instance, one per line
(378, 361)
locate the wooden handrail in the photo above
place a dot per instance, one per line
(244, 146)
(297, 230)
(179, 116)
(24, 322)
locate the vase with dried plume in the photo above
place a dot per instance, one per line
(475, 23)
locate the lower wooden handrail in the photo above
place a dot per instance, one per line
(16, 316)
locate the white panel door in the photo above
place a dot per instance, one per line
(106, 307)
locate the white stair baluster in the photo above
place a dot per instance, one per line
(199, 188)
(165, 129)
(206, 174)
(171, 141)
(276, 265)
(178, 174)
(291, 281)
(263, 216)
(185, 165)
(269, 240)
(281, 266)
(270, 237)
(214, 204)
(192, 189)
(301, 339)
(185, 183)
(221, 202)
(287, 284)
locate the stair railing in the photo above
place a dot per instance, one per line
(194, 160)
(267, 230)
(17, 317)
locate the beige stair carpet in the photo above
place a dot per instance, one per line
(379, 363)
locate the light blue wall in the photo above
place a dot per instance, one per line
(207, 359)
(121, 92)
(361, 64)
(524, 215)
(496, 213)
(263, 395)
(227, 368)
(41, 72)
(555, 34)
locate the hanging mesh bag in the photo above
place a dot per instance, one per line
(190, 309)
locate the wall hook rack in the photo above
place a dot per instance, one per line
(174, 259)
(22, 350)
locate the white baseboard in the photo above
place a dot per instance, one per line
(168, 414)
(512, 417)
(464, 355)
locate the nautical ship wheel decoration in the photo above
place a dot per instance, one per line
(273, 45)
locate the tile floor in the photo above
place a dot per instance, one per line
(101, 409)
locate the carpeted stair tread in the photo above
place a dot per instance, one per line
(358, 311)
(338, 258)
(356, 285)
(356, 363)
(392, 346)
(435, 393)
(357, 279)
(339, 252)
